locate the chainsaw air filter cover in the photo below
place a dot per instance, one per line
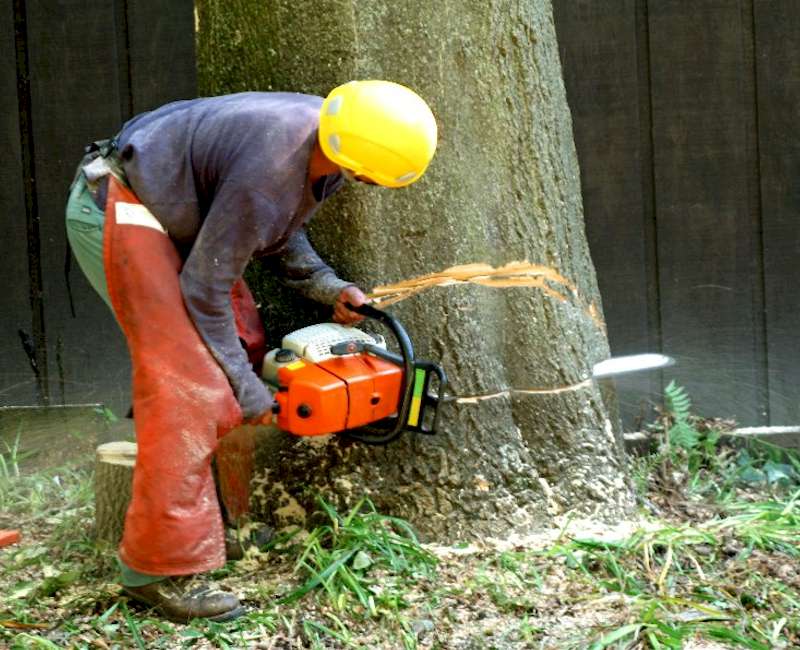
(314, 342)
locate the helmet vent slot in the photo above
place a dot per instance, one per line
(334, 105)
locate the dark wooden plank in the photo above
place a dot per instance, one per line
(17, 382)
(705, 171)
(161, 55)
(141, 55)
(777, 39)
(75, 91)
(602, 57)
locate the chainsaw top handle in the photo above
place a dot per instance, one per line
(407, 384)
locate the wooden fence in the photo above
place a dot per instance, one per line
(685, 117)
(71, 71)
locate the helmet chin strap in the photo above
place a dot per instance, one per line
(350, 176)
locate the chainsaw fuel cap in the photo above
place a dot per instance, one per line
(304, 411)
(285, 356)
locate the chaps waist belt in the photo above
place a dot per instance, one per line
(100, 160)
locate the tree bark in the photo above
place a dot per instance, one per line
(113, 482)
(504, 186)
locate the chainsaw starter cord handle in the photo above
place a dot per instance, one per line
(353, 347)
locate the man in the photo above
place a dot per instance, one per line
(163, 221)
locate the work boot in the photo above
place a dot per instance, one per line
(238, 541)
(184, 598)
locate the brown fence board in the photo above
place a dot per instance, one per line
(721, 81)
(777, 42)
(18, 385)
(709, 254)
(87, 66)
(161, 56)
(75, 89)
(600, 57)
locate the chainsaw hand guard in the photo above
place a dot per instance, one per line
(416, 399)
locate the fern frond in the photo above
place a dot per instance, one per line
(677, 401)
(678, 404)
(683, 435)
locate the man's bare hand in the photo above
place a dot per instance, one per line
(342, 314)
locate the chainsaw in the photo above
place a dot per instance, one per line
(328, 378)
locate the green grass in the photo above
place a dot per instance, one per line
(717, 564)
(54, 511)
(9, 473)
(676, 582)
(357, 566)
(40, 494)
(359, 560)
(696, 579)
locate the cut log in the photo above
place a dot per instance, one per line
(113, 478)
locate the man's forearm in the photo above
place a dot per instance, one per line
(302, 269)
(215, 324)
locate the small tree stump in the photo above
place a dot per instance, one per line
(113, 479)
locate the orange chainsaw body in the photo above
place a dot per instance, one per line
(336, 394)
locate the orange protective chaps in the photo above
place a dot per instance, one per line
(182, 400)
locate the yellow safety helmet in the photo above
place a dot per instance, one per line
(378, 130)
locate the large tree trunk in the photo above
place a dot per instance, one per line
(504, 186)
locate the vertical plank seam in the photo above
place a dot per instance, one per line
(123, 51)
(758, 231)
(654, 307)
(36, 290)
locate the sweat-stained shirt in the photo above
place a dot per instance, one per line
(227, 177)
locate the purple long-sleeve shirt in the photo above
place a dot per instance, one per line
(227, 177)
